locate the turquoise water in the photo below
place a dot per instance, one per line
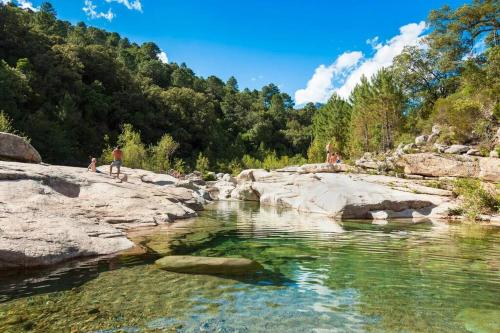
(321, 276)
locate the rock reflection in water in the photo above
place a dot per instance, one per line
(321, 275)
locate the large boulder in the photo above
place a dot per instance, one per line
(15, 148)
(245, 192)
(435, 165)
(51, 213)
(489, 169)
(209, 265)
(341, 195)
(221, 189)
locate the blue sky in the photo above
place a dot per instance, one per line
(284, 42)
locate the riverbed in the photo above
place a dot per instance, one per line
(320, 275)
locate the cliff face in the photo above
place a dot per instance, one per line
(53, 213)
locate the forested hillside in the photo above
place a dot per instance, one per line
(74, 90)
(452, 78)
(67, 86)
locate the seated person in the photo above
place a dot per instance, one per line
(92, 165)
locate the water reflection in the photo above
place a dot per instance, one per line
(321, 275)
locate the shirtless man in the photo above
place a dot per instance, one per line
(117, 161)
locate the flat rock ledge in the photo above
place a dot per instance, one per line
(49, 214)
(330, 191)
(209, 265)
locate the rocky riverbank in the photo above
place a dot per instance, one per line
(338, 195)
(49, 214)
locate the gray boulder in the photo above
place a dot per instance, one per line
(421, 140)
(209, 265)
(15, 148)
(457, 149)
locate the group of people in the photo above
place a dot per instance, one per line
(117, 162)
(331, 156)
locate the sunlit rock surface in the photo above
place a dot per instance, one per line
(342, 195)
(52, 213)
(16, 148)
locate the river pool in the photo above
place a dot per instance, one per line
(321, 276)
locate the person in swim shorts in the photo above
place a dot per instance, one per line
(117, 161)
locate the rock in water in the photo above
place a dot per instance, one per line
(208, 265)
(15, 148)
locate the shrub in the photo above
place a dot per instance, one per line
(250, 162)
(134, 151)
(180, 165)
(316, 152)
(235, 167)
(476, 199)
(161, 154)
(209, 177)
(5, 123)
(202, 163)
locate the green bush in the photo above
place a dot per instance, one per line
(134, 151)
(5, 123)
(161, 154)
(476, 199)
(209, 177)
(202, 163)
(180, 166)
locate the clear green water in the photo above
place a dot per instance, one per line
(321, 276)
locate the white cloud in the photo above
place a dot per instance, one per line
(24, 4)
(5, 2)
(321, 86)
(92, 13)
(130, 4)
(162, 56)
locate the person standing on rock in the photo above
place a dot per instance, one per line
(117, 161)
(328, 149)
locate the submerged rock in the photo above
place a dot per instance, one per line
(16, 148)
(208, 265)
(480, 320)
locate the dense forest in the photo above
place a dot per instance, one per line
(76, 90)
